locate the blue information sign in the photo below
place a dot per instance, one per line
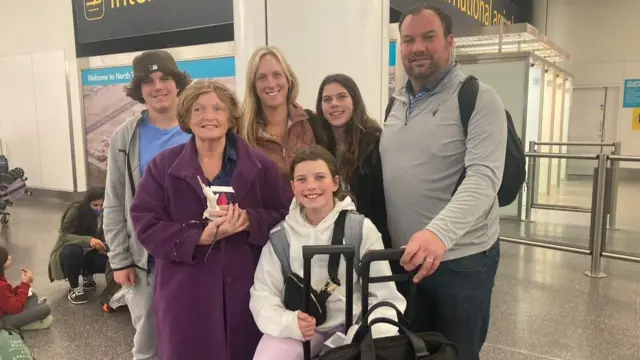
(631, 93)
(198, 69)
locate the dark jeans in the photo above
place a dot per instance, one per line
(456, 300)
(75, 262)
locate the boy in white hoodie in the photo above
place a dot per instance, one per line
(313, 212)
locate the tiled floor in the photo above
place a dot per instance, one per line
(543, 305)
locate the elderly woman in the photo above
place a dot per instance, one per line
(205, 267)
(272, 120)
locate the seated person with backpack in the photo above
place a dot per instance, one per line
(77, 251)
(319, 205)
(19, 308)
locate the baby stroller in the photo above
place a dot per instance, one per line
(12, 187)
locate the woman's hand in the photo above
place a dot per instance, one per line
(210, 233)
(307, 325)
(97, 244)
(27, 276)
(231, 220)
(235, 221)
(217, 213)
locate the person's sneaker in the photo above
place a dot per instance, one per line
(88, 282)
(77, 296)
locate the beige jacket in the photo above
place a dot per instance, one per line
(299, 136)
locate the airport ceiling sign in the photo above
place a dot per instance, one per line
(99, 20)
(471, 13)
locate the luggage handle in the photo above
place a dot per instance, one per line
(363, 329)
(368, 348)
(380, 255)
(308, 252)
(365, 265)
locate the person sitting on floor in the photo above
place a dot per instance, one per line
(19, 309)
(77, 251)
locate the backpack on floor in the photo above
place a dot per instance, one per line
(515, 171)
(12, 346)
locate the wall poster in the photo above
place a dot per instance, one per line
(631, 93)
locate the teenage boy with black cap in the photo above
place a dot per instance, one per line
(157, 82)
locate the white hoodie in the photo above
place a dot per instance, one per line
(267, 292)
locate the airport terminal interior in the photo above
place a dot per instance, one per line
(568, 282)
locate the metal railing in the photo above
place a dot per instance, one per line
(531, 202)
(615, 161)
(602, 210)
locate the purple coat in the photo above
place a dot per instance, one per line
(201, 307)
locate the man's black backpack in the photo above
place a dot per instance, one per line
(515, 170)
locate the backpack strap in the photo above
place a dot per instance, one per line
(280, 243)
(467, 96)
(348, 226)
(336, 239)
(353, 235)
(387, 111)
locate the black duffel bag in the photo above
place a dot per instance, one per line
(405, 346)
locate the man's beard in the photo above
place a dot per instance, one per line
(421, 72)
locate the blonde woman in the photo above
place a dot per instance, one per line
(272, 120)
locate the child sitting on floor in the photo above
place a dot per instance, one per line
(18, 308)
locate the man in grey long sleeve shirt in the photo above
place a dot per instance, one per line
(451, 239)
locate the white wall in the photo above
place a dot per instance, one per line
(41, 33)
(250, 32)
(533, 120)
(601, 37)
(357, 35)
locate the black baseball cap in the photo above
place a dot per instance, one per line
(152, 61)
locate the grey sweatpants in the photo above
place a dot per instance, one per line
(139, 302)
(32, 312)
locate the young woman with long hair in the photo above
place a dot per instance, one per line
(353, 137)
(79, 251)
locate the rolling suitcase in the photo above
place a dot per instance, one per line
(308, 253)
(406, 345)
